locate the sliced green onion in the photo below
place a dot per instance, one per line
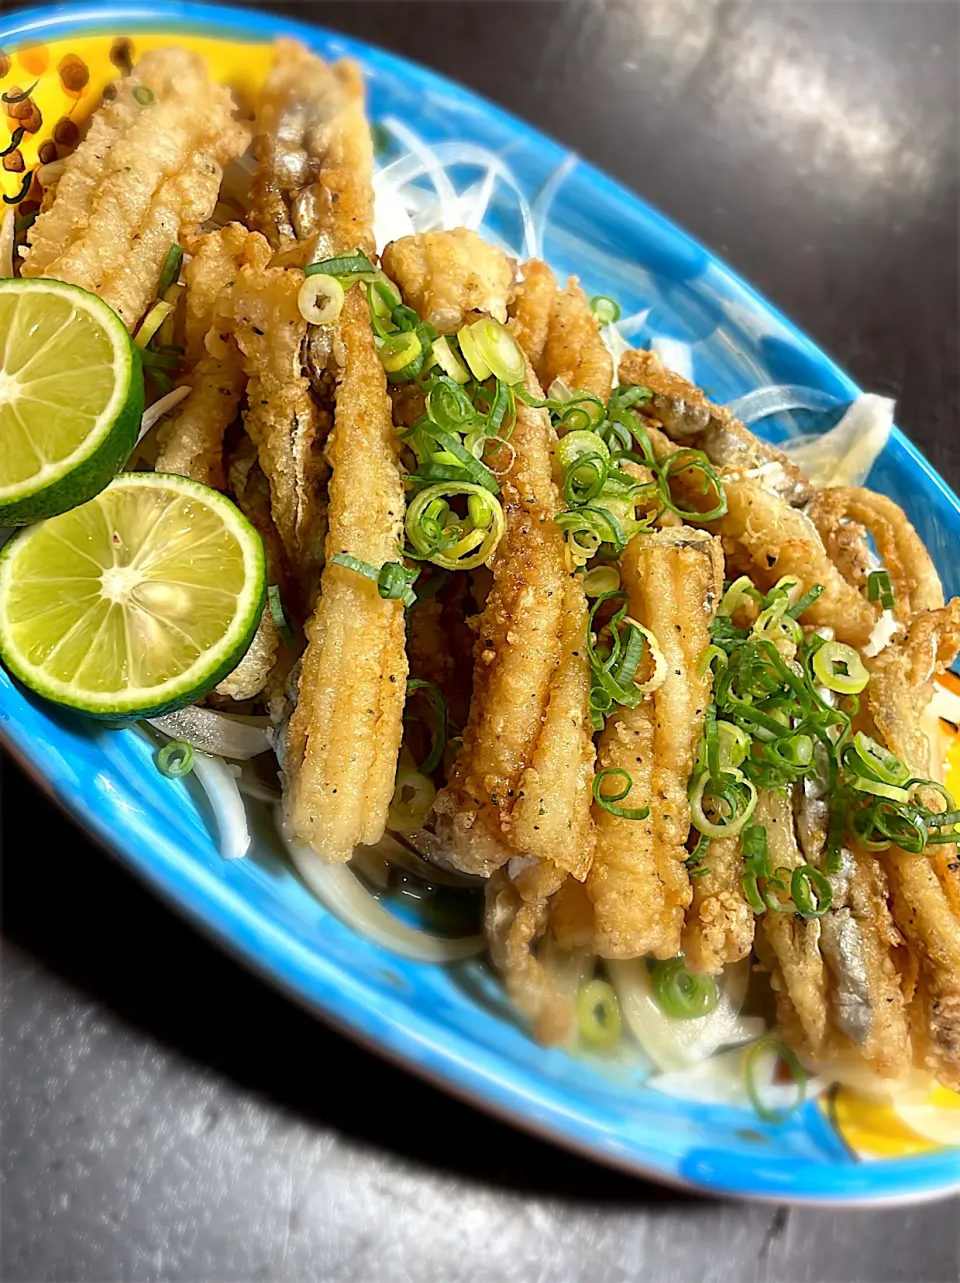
(278, 615)
(175, 759)
(320, 300)
(143, 95)
(400, 350)
(878, 789)
(343, 265)
(457, 452)
(740, 588)
(879, 761)
(753, 849)
(733, 745)
(840, 668)
(595, 519)
(576, 445)
(170, 272)
(438, 732)
(810, 891)
(680, 993)
(806, 601)
(413, 796)
(437, 535)
(879, 588)
(605, 309)
(732, 791)
(608, 801)
(775, 1117)
(498, 350)
(394, 582)
(600, 580)
(598, 1013)
(471, 354)
(448, 360)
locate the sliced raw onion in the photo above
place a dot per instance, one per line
(222, 734)
(673, 1044)
(337, 887)
(778, 398)
(844, 455)
(722, 1080)
(159, 408)
(220, 785)
(676, 356)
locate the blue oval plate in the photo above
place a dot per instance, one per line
(451, 1025)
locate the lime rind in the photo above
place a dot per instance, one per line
(210, 668)
(100, 456)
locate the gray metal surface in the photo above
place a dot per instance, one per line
(165, 1115)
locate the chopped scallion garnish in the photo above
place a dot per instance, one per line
(783, 1053)
(608, 801)
(175, 759)
(605, 309)
(680, 993)
(879, 588)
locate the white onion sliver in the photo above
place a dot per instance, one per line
(220, 785)
(722, 1080)
(676, 356)
(777, 398)
(428, 165)
(7, 236)
(673, 1044)
(337, 887)
(541, 203)
(221, 734)
(160, 408)
(844, 455)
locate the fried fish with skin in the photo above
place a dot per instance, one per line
(913, 575)
(689, 419)
(559, 333)
(789, 945)
(519, 665)
(343, 739)
(767, 538)
(446, 277)
(639, 883)
(145, 175)
(925, 889)
(192, 442)
(313, 185)
(283, 416)
(719, 925)
(516, 915)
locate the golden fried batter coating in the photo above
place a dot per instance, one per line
(913, 575)
(720, 925)
(313, 181)
(446, 276)
(344, 737)
(559, 333)
(144, 176)
(638, 884)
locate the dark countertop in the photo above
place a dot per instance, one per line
(168, 1117)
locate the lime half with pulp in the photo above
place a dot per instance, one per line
(71, 398)
(135, 603)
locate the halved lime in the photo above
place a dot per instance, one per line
(71, 398)
(135, 603)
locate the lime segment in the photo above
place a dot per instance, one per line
(136, 602)
(71, 397)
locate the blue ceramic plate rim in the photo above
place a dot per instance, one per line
(368, 1014)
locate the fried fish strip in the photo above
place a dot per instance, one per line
(559, 333)
(520, 666)
(285, 420)
(344, 736)
(720, 925)
(516, 915)
(926, 889)
(192, 442)
(447, 276)
(689, 419)
(638, 883)
(144, 176)
(766, 537)
(313, 180)
(789, 945)
(914, 577)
